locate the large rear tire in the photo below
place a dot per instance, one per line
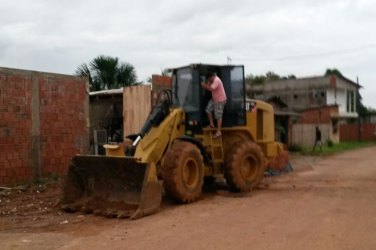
(183, 172)
(244, 166)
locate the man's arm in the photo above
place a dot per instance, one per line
(206, 86)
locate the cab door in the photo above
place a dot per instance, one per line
(234, 83)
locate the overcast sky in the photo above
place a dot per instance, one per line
(297, 37)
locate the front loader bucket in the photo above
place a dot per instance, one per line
(111, 186)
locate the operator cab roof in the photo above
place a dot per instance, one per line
(201, 65)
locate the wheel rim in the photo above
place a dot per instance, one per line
(249, 167)
(190, 173)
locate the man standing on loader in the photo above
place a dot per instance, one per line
(218, 101)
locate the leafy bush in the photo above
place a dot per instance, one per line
(330, 143)
(295, 148)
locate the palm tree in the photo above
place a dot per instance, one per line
(126, 75)
(105, 72)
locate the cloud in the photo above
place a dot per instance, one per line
(295, 37)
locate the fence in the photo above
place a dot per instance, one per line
(358, 132)
(304, 134)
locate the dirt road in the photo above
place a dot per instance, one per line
(327, 203)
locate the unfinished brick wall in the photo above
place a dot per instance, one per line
(158, 84)
(318, 115)
(43, 123)
(15, 127)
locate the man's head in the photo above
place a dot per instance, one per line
(210, 76)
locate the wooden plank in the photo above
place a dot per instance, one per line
(136, 107)
(304, 134)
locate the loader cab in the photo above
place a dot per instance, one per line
(189, 95)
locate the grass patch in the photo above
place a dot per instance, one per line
(332, 148)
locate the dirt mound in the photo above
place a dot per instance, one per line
(29, 200)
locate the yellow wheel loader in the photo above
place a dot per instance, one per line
(175, 150)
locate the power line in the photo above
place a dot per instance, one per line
(323, 54)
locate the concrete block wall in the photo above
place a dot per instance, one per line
(43, 123)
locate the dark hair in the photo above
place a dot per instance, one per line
(210, 74)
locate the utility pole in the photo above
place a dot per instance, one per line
(228, 60)
(355, 108)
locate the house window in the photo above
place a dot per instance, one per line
(350, 102)
(319, 97)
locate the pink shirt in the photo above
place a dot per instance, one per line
(218, 91)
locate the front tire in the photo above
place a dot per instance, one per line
(244, 166)
(183, 172)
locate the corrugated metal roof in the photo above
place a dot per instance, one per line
(107, 92)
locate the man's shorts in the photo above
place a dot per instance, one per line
(217, 107)
(318, 143)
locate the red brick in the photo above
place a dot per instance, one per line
(59, 120)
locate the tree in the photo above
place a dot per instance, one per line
(333, 71)
(105, 72)
(360, 108)
(288, 77)
(269, 76)
(254, 79)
